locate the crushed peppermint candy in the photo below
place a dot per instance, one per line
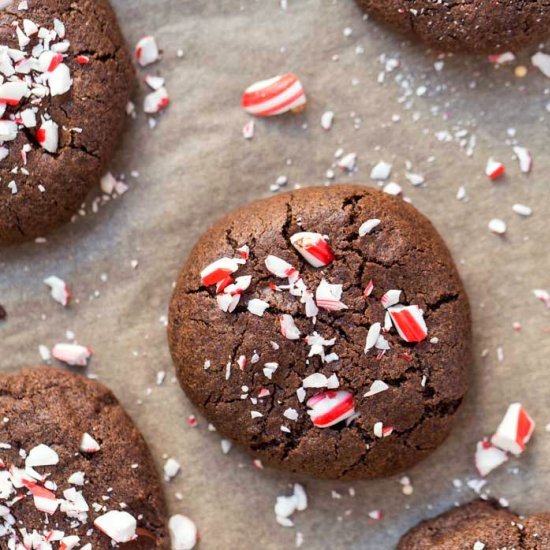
(183, 532)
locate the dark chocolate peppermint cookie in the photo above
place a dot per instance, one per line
(65, 79)
(479, 525)
(326, 330)
(483, 26)
(74, 470)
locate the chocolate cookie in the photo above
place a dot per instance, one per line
(480, 525)
(66, 82)
(72, 460)
(483, 26)
(326, 330)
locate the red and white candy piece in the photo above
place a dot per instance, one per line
(48, 135)
(328, 296)
(119, 526)
(288, 327)
(330, 408)
(390, 298)
(409, 322)
(44, 500)
(156, 101)
(218, 271)
(494, 169)
(372, 336)
(59, 80)
(488, 458)
(72, 354)
(88, 444)
(147, 51)
(274, 96)
(514, 431)
(524, 158)
(11, 93)
(313, 247)
(59, 290)
(501, 58)
(279, 267)
(542, 295)
(183, 532)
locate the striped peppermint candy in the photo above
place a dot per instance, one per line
(48, 135)
(218, 271)
(279, 267)
(44, 500)
(328, 296)
(288, 327)
(488, 457)
(274, 96)
(409, 322)
(11, 93)
(514, 431)
(313, 247)
(494, 169)
(330, 408)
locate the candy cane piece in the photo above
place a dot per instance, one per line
(390, 298)
(41, 455)
(368, 226)
(59, 290)
(59, 80)
(11, 93)
(488, 458)
(156, 101)
(330, 408)
(514, 431)
(409, 322)
(183, 532)
(217, 271)
(378, 386)
(494, 169)
(328, 296)
(119, 526)
(274, 96)
(279, 267)
(147, 51)
(257, 307)
(48, 135)
(313, 247)
(44, 500)
(72, 354)
(288, 327)
(372, 336)
(88, 444)
(524, 158)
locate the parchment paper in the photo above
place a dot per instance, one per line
(195, 166)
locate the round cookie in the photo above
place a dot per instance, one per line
(295, 383)
(67, 79)
(483, 26)
(82, 467)
(481, 522)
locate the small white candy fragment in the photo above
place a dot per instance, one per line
(524, 158)
(72, 354)
(257, 307)
(393, 189)
(156, 101)
(59, 290)
(368, 226)
(183, 532)
(522, 209)
(326, 120)
(542, 62)
(377, 386)
(497, 226)
(171, 469)
(488, 458)
(119, 526)
(381, 171)
(59, 80)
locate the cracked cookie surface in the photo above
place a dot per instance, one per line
(481, 522)
(44, 190)
(49, 407)
(477, 26)
(426, 380)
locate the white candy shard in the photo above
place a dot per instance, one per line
(59, 290)
(377, 386)
(514, 431)
(381, 171)
(72, 354)
(88, 444)
(288, 327)
(183, 532)
(368, 226)
(119, 526)
(257, 306)
(524, 158)
(542, 62)
(497, 226)
(328, 296)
